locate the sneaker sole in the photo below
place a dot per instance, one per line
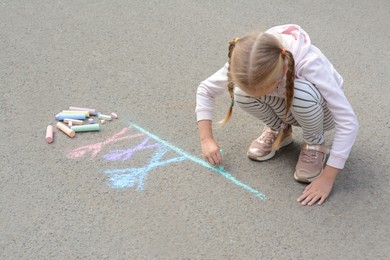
(306, 180)
(309, 180)
(288, 140)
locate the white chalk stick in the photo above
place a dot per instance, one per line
(74, 121)
(105, 117)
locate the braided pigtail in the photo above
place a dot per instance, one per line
(290, 77)
(230, 85)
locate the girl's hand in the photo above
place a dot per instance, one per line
(320, 188)
(210, 151)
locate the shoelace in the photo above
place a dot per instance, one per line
(309, 156)
(268, 136)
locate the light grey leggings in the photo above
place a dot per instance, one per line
(308, 110)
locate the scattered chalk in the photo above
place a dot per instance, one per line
(114, 115)
(65, 129)
(91, 111)
(73, 121)
(86, 128)
(49, 134)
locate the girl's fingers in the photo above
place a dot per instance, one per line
(217, 158)
(314, 200)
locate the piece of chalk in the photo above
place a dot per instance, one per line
(105, 117)
(74, 121)
(114, 115)
(49, 134)
(65, 129)
(102, 121)
(91, 111)
(91, 121)
(62, 116)
(75, 112)
(86, 128)
(221, 167)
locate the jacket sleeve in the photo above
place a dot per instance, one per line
(208, 89)
(319, 71)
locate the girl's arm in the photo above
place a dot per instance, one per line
(210, 148)
(319, 71)
(207, 91)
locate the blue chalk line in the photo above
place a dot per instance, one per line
(199, 161)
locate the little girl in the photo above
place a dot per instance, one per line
(283, 80)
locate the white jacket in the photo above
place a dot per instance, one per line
(311, 65)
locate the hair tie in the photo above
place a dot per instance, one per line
(283, 52)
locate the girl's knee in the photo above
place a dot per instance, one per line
(305, 93)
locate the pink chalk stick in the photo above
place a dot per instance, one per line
(49, 134)
(114, 115)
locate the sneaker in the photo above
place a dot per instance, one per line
(310, 163)
(261, 148)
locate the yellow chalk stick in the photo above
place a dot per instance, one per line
(75, 112)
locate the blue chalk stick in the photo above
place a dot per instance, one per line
(62, 116)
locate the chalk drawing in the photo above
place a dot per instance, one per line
(122, 178)
(96, 148)
(136, 177)
(126, 154)
(201, 162)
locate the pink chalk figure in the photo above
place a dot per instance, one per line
(126, 154)
(94, 149)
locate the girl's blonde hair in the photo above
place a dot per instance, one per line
(256, 61)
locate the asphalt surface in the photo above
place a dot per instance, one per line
(137, 188)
